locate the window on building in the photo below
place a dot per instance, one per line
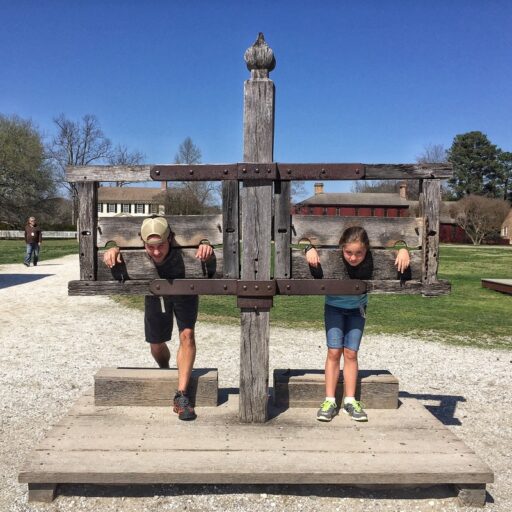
(125, 208)
(324, 211)
(139, 208)
(111, 208)
(337, 212)
(310, 210)
(153, 209)
(100, 207)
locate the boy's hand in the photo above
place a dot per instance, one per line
(204, 252)
(112, 256)
(402, 260)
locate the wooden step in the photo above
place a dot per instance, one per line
(377, 389)
(153, 387)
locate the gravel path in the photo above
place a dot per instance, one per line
(52, 344)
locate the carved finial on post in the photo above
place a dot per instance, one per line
(260, 58)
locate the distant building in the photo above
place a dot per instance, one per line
(376, 204)
(133, 201)
(365, 204)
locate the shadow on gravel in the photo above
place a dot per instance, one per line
(263, 491)
(444, 411)
(7, 280)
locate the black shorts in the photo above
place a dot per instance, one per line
(158, 324)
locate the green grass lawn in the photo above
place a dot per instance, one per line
(470, 315)
(13, 251)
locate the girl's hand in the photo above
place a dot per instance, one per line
(402, 260)
(312, 257)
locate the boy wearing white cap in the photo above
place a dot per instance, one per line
(158, 314)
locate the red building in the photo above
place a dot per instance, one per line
(366, 204)
(375, 204)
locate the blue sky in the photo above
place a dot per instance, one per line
(356, 81)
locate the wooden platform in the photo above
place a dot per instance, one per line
(149, 445)
(499, 285)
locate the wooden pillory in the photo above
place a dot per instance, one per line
(256, 213)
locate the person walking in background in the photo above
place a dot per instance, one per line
(345, 318)
(33, 239)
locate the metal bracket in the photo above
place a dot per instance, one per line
(246, 171)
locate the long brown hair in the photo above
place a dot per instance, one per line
(354, 234)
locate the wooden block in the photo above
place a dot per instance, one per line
(153, 387)
(377, 389)
(44, 493)
(471, 495)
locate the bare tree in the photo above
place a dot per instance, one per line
(433, 154)
(77, 143)
(122, 156)
(480, 217)
(204, 191)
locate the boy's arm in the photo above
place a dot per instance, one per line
(204, 251)
(112, 256)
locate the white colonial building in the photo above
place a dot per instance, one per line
(134, 201)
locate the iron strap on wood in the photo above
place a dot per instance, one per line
(254, 289)
(257, 171)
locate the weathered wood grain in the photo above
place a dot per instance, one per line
(407, 171)
(382, 231)
(87, 219)
(378, 389)
(282, 229)
(153, 387)
(88, 173)
(188, 230)
(332, 267)
(42, 493)
(231, 229)
(471, 495)
(430, 203)
(137, 265)
(90, 288)
(256, 203)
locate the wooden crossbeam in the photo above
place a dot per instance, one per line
(257, 171)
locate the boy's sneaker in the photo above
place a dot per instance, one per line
(327, 411)
(183, 408)
(355, 411)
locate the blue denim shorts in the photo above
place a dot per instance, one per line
(344, 327)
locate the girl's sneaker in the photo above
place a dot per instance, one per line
(355, 411)
(327, 411)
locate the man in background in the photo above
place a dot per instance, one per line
(33, 239)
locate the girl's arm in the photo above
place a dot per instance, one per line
(402, 260)
(312, 256)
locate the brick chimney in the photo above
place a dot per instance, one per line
(403, 190)
(319, 188)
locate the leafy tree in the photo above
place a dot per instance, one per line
(26, 179)
(505, 159)
(476, 168)
(480, 217)
(77, 143)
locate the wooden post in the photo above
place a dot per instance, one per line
(87, 229)
(282, 230)
(256, 203)
(230, 230)
(430, 203)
